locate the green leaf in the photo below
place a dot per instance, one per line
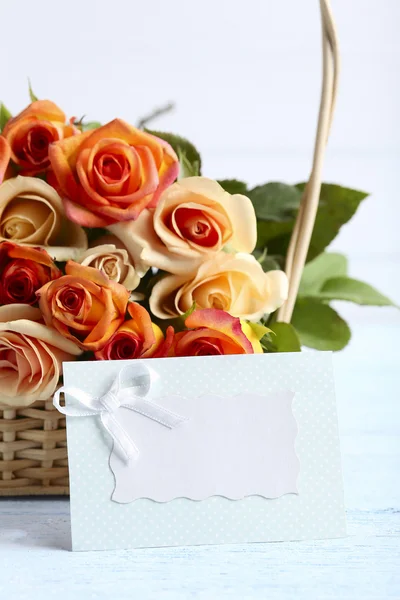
(180, 144)
(286, 338)
(323, 267)
(234, 186)
(90, 125)
(259, 329)
(274, 235)
(275, 201)
(32, 96)
(268, 263)
(186, 168)
(337, 206)
(352, 290)
(319, 326)
(5, 115)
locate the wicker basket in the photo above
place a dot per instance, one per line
(33, 451)
(33, 446)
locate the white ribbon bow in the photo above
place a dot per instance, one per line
(131, 397)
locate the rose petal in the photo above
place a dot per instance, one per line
(63, 156)
(118, 129)
(244, 223)
(186, 343)
(162, 301)
(36, 330)
(278, 288)
(85, 273)
(221, 321)
(83, 216)
(40, 109)
(166, 179)
(165, 346)
(135, 235)
(5, 155)
(36, 205)
(142, 323)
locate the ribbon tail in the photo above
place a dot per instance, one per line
(155, 412)
(123, 443)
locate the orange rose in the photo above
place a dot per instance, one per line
(112, 173)
(137, 338)
(213, 331)
(30, 134)
(84, 306)
(5, 155)
(23, 271)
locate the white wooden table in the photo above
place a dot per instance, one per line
(35, 561)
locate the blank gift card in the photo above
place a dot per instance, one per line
(203, 450)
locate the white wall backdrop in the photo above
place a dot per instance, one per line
(245, 77)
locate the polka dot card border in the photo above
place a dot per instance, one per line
(317, 511)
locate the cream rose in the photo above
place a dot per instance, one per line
(31, 355)
(31, 213)
(110, 257)
(235, 283)
(194, 219)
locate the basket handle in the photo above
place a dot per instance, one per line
(304, 224)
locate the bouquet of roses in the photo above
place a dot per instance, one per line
(114, 246)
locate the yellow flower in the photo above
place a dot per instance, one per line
(235, 283)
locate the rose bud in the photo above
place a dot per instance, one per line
(31, 132)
